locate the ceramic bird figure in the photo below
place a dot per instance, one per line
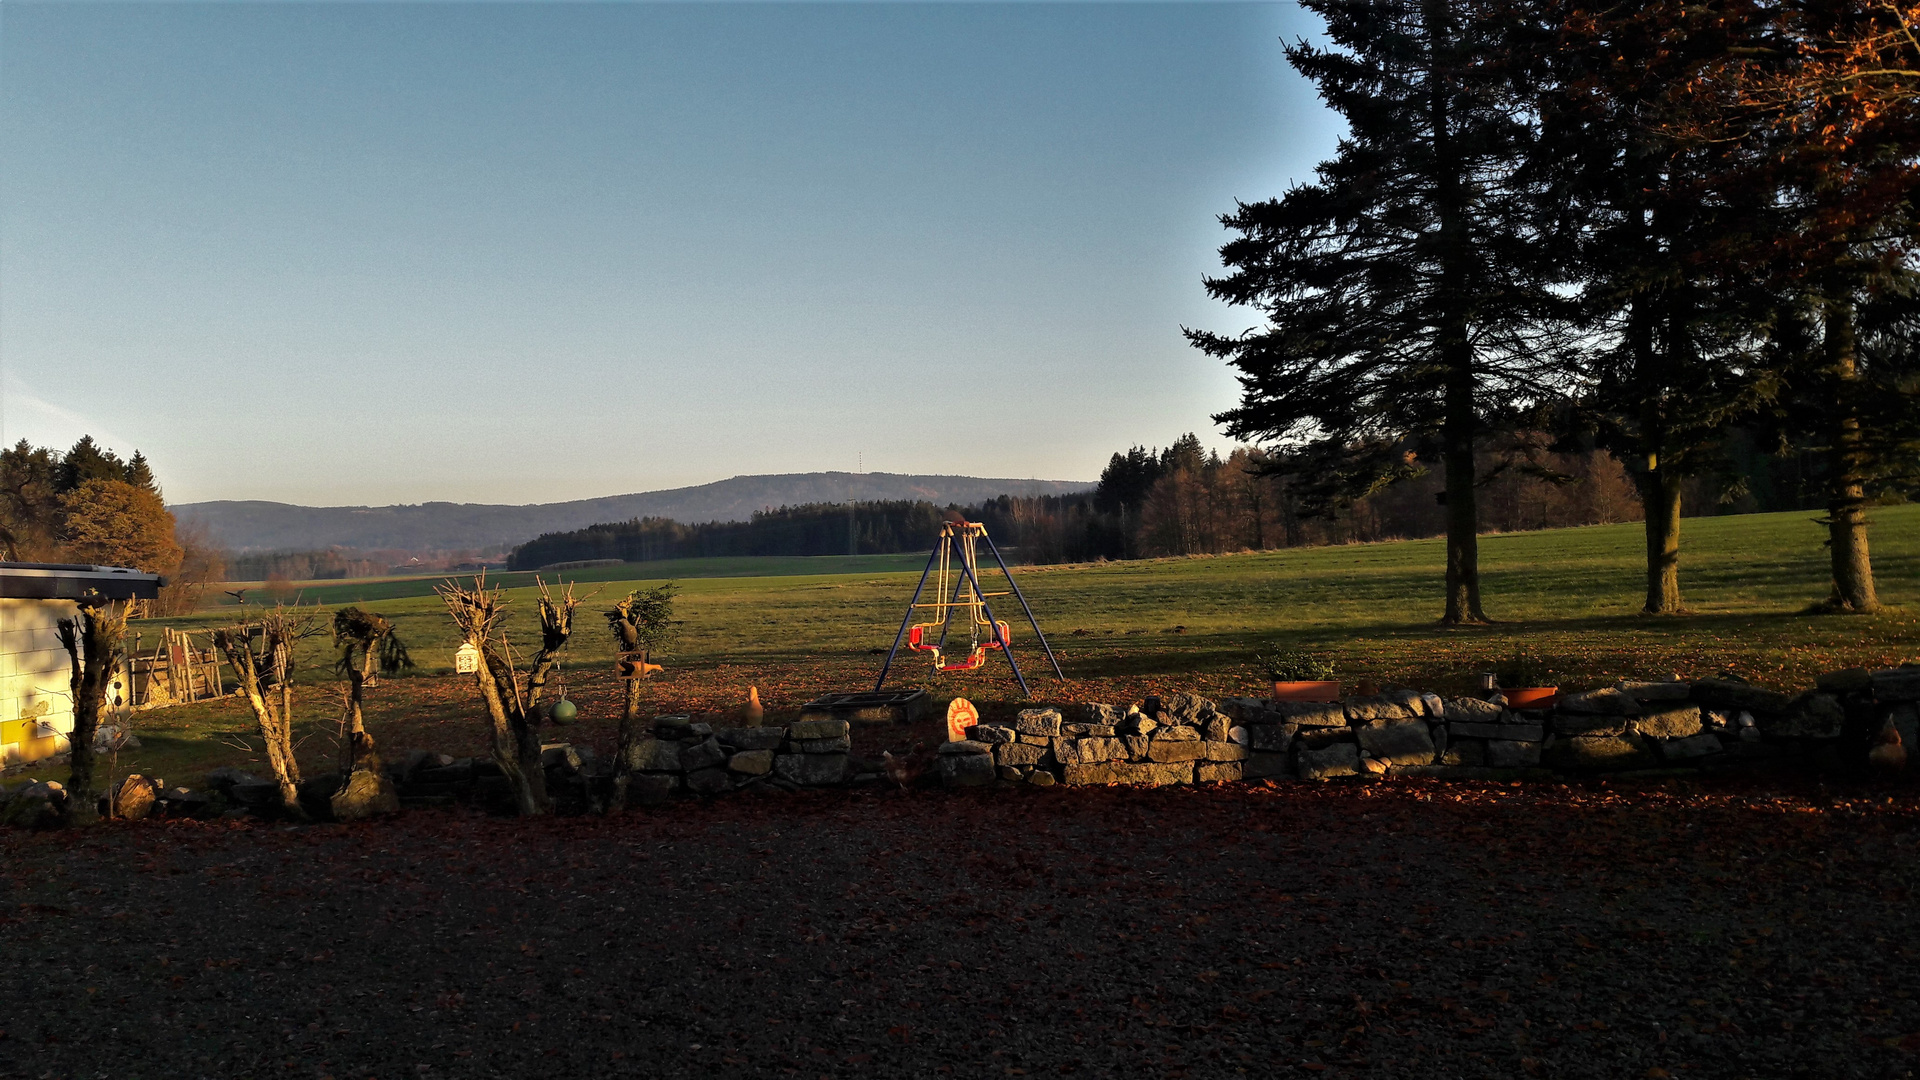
(1888, 755)
(753, 713)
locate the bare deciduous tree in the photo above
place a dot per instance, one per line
(93, 640)
(261, 652)
(367, 643)
(641, 625)
(512, 701)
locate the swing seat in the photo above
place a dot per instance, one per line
(916, 639)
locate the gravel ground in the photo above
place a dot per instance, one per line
(1393, 929)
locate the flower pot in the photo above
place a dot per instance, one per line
(1306, 691)
(1530, 697)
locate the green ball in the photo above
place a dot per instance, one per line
(563, 711)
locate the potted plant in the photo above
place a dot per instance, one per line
(1526, 682)
(1300, 676)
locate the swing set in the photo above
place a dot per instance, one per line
(954, 568)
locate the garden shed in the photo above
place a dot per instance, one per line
(36, 707)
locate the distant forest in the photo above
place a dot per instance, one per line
(1184, 500)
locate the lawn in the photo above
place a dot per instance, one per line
(1123, 630)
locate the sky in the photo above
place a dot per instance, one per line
(370, 253)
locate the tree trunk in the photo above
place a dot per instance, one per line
(1846, 466)
(93, 643)
(629, 718)
(505, 746)
(1660, 498)
(273, 717)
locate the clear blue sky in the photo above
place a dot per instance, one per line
(372, 253)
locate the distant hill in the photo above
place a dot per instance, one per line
(272, 526)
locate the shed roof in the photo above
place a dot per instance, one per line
(71, 581)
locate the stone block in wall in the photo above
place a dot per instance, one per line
(1260, 765)
(1037, 740)
(1413, 701)
(1136, 746)
(1585, 753)
(1512, 732)
(1176, 733)
(1089, 751)
(1607, 702)
(967, 770)
(1217, 772)
(1136, 724)
(1173, 750)
(1105, 714)
(1338, 759)
(823, 728)
(1690, 747)
(1809, 716)
(1396, 742)
(702, 755)
(1512, 754)
(817, 769)
(1321, 738)
(1473, 710)
(1311, 713)
(1041, 778)
(1012, 772)
(1897, 684)
(1464, 752)
(1588, 724)
(1021, 754)
(1214, 727)
(1227, 750)
(653, 755)
(1644, 692)
(1120, 772)
(1087, 731)
(751, 762)
(1244, 709)
(824, 746)
(993, 734)
(708, 781)
(650, 789)
(1038, 722)
(752, 738)
(1377, 707)
(1185, 708)
(1728, 694)
(1433, 706)
(1668, 721)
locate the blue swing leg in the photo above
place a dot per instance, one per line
(906, 622)
(1024, 606)
(1005, 645)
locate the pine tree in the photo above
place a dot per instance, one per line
(1403, 291)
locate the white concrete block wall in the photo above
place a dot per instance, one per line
(33, 666)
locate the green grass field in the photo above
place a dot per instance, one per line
(1122, 630)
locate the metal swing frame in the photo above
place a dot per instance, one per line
(956, 546)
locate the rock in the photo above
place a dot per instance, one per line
(1311, 714)
(752, 738)
(1338, 759)
(134, 798)
(1516, 732)
(1020, 754)
(1728, 694)
(650, 789)
(1372, 765)
(1105, 714)
(1897, 684)
(708, 781)
(1177, 733)
(653, 755)
(1607, 702)
(1845, 681)
(1120, 772)
(1037, 740)
(1411, 700)
(1009, 773)
(1136, 724)
(1217, 773)
(822, 728)
(1225, 750)
(1588, 724)
(672, 726)
(700, 731)
(1041, 778)
(1810, 716)
(1260, 765)
(560, 755)
(967, 770)
(751, 762)
(964, 746)
(1668, 721)
(1511, 754)
(227, 776)
(1089, 751)
(1643, 692)
(1597, 752)
(1245, 709)
(1468, 752)
(1377, 707)
(839, 745)
(1214, 727)
(812, 770)
(993, 734)
(1172, 750)
(1038, 722)
(1239, 735)
(1321, 738)
(256, 794)
(1434, 707)
(1185, 708)
(369, 793)
(1275, 738)
(1474, 710)
(1137, 746)
(1087, 731)
(39, 805)
(1693, 746)
(1397, 742)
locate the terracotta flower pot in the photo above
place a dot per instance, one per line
(1306, 691)
(1531, 697)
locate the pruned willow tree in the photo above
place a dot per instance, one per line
(641, 624)
(512, 699)
(95, 643)
(366, 643)
(1405, 289)
(262, 651)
